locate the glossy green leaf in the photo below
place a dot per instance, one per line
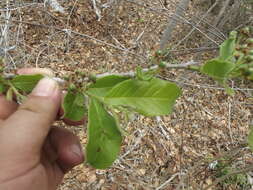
(104, 138)
(217, 69)
(26, 83)
(73, 106)
(227, 48)
(150, 98)
(250, 139)
(103, 85)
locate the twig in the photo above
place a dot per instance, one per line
(132, 73)
(108, 4)
(199, 22)
(38, 56)
(69, 31)
(55, 5)
(97, 10)
(206, 86)
(137, 142)
(159, 120)
(180, 10)
(193, 50)
(25, 5)
(164, 10)
(167, 182)
(229, 122)
(229, 154)
(225, 5)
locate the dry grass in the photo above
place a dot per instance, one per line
(172, 152)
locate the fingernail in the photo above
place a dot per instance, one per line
(45, 87)
(76, 150)
(42, 71)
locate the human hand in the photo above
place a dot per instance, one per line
(34, 155)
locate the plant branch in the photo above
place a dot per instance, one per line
(130, 73)
(223, 9)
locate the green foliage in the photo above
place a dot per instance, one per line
(150, 98)
(104, 138)
(26, 83)
(145, 76)
(227, 48)
(218, 69)
(221, 67)
(2, 88)
(2, 85)
(250, 139)
(144, 94)
(73, 106)
(223, 168)
(234, 59)
(104, 85)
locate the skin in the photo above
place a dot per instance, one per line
(33, 154)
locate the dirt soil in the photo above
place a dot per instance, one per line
(170, 152)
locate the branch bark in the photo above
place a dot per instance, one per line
(180, 11)
(130, 73)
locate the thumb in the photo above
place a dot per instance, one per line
(27, 128)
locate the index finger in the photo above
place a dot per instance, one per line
(6, 107)
(9, 107)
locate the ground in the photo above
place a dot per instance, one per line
(179, 151)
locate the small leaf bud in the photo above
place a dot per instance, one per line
(233, 35)
(162, 64)
(237, 54)
(92, 77)
(251, 52)
(250, 41)
(83, 74)
(249, 58)
(246, 31)
(158, 52)
(72, 87)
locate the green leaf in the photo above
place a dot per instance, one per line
(9, 94)
(73, 106)
(146, 76)
(103, 85)
(150, 98)
(227, 48)
(104, 138)
(250, 139)
(217, 69)
(26, 83)
(2, 86)
(229, 90)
